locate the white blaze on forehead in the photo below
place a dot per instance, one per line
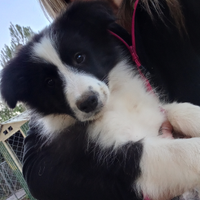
(45, 50)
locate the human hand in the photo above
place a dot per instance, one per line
(166, 130)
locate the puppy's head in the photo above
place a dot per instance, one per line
(62, 70)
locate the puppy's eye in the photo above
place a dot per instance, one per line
(79, 58)
(50, 82)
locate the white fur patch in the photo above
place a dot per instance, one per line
(169, 167)
(131, 112)
(52, 125)
(184, 117)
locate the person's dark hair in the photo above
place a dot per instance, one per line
(126, 11)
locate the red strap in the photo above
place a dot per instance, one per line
(134, 54)
(118, 37)
(132, 48)
(135, 59)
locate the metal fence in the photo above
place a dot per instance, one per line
(10, 186)
(12, 183)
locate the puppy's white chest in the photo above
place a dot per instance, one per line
(130, 114)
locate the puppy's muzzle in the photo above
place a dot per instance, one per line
(88, 102)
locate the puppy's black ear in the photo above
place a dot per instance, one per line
(11, 83)
(98, 13)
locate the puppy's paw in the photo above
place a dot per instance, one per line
(184, 117)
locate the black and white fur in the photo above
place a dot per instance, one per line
(76, 72)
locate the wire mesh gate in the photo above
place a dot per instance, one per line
(12, 183)
(10, 187)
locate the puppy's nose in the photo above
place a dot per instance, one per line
(87, 103)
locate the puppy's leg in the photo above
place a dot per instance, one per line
(169, 167)
(184, 117)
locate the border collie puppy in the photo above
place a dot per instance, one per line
(76, 74)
